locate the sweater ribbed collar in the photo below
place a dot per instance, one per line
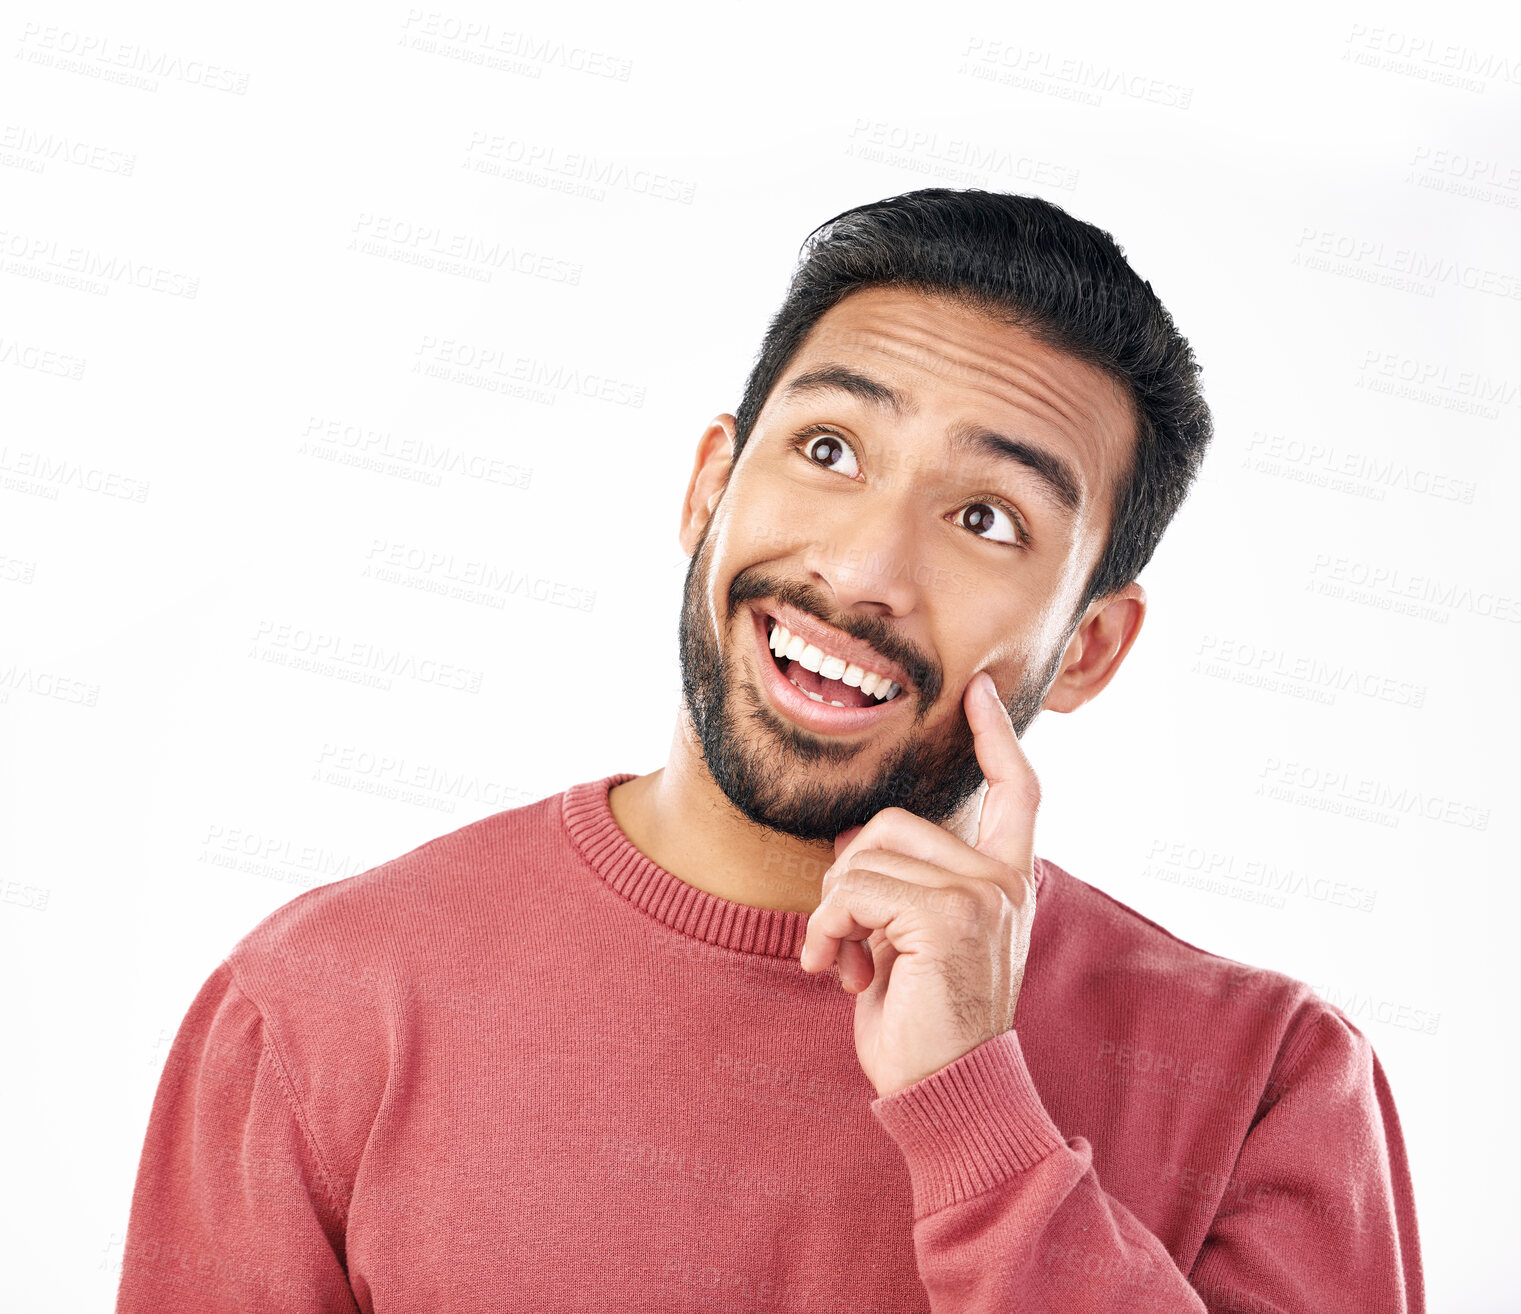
(772, 932)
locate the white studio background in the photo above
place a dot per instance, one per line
(308, 314)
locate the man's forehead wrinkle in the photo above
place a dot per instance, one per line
(987, 372)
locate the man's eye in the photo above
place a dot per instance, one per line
(831, 451)
(982, 519)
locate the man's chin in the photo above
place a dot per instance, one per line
(814, 810)
(786, 779)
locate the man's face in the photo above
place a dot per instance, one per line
(876, 513)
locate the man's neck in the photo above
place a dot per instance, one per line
(680, 819)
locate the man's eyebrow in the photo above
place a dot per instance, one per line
(1058, 477)
(840, 378)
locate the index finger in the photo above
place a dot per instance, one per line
(1006, 828)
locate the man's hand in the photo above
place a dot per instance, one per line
(931, 934)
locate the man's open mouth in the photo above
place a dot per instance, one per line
(823, 676)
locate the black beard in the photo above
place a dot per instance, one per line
(752, 753)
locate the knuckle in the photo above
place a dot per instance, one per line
(856, 878)
(954, 904)
(988, 899)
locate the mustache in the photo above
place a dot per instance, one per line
(752, 586)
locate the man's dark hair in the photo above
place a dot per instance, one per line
(1028, 263)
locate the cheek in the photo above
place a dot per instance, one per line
(766, 518)
(985, 635)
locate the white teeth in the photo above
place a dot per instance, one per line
(795, 648)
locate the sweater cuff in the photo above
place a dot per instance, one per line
(970, 1126)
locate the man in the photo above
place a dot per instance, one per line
(800, 1021)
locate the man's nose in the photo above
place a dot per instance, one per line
(871, 557)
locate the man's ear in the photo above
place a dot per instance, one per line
(710, 476)
(1097, 648)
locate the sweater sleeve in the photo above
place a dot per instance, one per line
(233, 1208)
(1008, 1215)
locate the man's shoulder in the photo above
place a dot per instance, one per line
(350, 931)
(343, 975)
(1104, 947)
(1129, 1007)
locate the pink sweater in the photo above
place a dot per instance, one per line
(523, 1068)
